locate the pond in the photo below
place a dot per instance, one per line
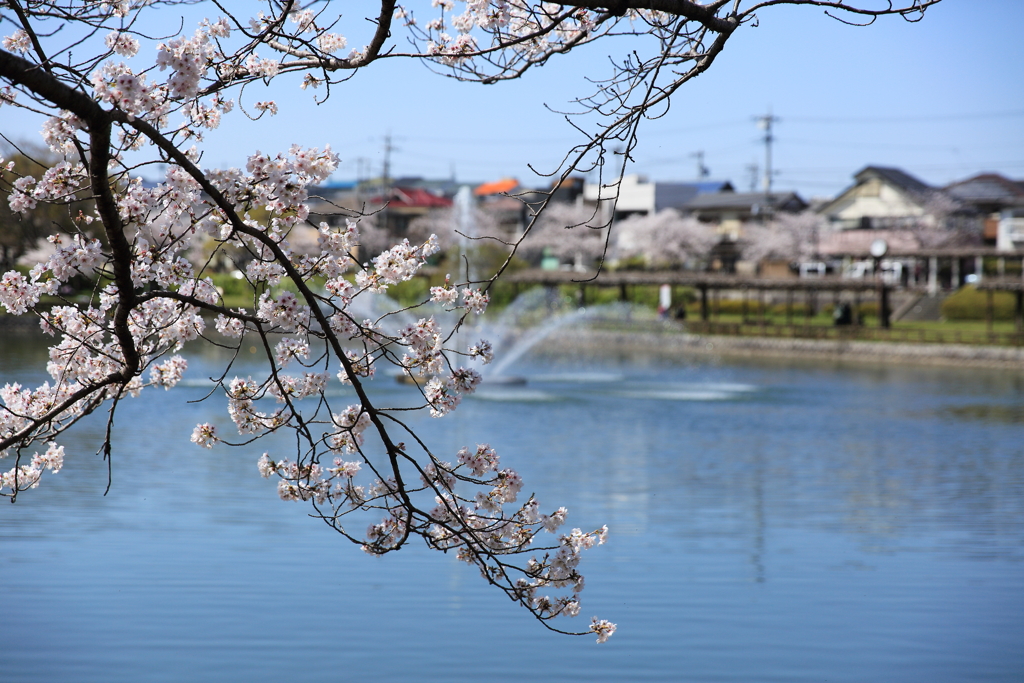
(770, 521)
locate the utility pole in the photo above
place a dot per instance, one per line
(388, 149)
(702, 170)
(362, 163)
(753, 170)
(765, 123)
(386, 182)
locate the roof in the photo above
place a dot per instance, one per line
(496, 187)
(988, 188)
(845, 242)
(895, 177)
(741, 200)
(414, 197)
(502, 203)
(677, 195)
(908, 185)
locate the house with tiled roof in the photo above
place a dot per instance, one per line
(404, 204)
(729, 210)
(882, 198)
(997, 203)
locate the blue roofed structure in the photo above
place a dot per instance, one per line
(638, 195)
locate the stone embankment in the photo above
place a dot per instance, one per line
(676, 343)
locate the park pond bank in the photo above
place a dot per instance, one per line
(670, 341)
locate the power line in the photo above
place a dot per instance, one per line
(861, 145)
(908, 119)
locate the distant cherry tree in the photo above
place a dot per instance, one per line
(571, 232)
(121, 92)
(944, 223)
(787, 237)
(665, 239)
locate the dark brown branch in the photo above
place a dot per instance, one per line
(704, 14)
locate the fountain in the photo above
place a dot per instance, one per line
(526, 322)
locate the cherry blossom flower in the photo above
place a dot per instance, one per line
(603, 628)
(475, 300)
(122, 43)
(204, 435)
(18, 41)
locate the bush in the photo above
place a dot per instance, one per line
(410, 292)
(639, 295)
(731, 306)
(632, 263)
(868, 309)
(231, 286)
(799, 309)
(970, 304)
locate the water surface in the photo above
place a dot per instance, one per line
(769, 522)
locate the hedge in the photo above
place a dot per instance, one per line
(970, 304)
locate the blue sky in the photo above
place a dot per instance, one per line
(943, 99)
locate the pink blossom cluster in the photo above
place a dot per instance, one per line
(283, 311)
(242, 397)
(482, 350)
(168, 373)
(204, 435)
(424, 347)
(518, 27)
(289, 348)
(279, 183)
(397, 264)
(18, 41)
(59, 183)
(122, 43)
(59, 132)
(187, 58)
(445, 295)
(352, 422)
(229, 326)
(26, 477)
(475, 300)
(444, 396)
(287, 388)
(132, 93)
(17, 294)
(481, 461)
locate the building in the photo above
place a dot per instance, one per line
(638, 195)
(393, 206)
(997, 203)
(728, 210)
(402, 205)
(884, 199)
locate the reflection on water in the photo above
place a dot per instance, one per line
(1013, 414)
(770, 521)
